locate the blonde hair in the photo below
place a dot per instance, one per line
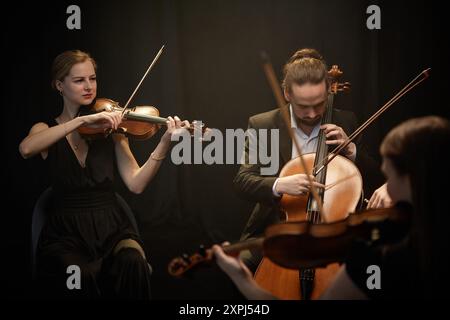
(65, 61)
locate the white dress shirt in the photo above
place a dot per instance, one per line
(307, 143)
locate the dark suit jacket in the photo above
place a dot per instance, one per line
(251, 185)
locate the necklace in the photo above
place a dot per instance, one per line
(75, 145)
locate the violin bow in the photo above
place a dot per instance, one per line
(142, 79)
(276, 89)
(423, 76)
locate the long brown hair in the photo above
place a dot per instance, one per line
(420, 148)
(65, 61)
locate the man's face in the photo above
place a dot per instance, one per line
(308, 102)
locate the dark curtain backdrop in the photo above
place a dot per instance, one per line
(210, 70)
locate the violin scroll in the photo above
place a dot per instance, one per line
(180, 265)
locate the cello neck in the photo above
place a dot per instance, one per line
(322, 147)
(312, 209)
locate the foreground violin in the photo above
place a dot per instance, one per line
(304, 244)
(140, 122)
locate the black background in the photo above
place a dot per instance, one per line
(210, 70)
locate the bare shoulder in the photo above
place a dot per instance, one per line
(38, 127)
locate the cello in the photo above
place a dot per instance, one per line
(338, 201)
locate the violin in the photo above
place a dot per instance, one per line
(140, 122)
(295, 245)
(304, 244)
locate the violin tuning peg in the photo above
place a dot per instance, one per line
(176, 266)
(202, 250)
(186, 258)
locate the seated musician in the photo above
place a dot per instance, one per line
(306, 89)
(413, 267)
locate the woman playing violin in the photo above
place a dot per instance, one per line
(414, 267)
(87, 227)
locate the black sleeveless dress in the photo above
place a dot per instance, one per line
(85, 225)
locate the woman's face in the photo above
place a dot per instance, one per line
(398, 186)
(80, 85)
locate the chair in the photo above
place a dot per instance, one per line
(40, 215)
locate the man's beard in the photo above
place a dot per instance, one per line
(309, 122)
